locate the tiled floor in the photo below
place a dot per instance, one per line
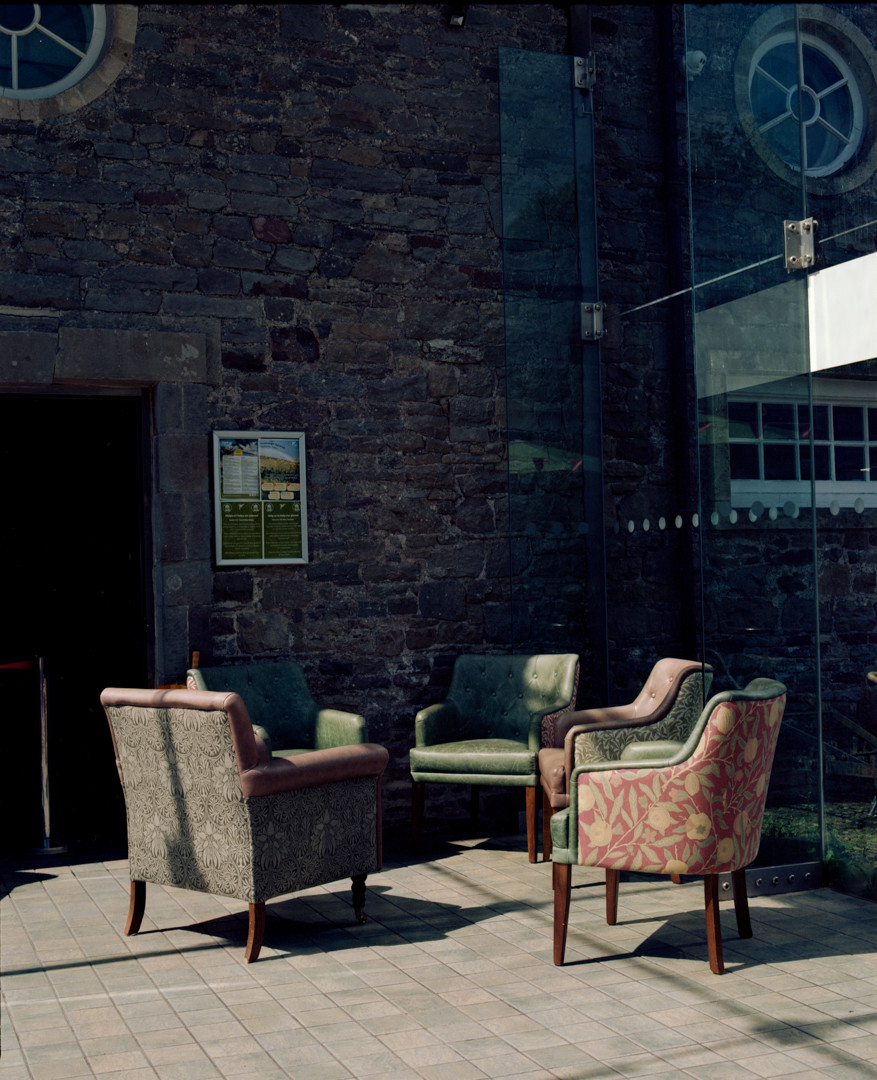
(450, 979)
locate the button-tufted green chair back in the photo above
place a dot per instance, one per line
(498, 696)
(281, 707)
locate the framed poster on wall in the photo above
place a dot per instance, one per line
(260, 501)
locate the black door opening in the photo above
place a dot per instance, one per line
(71, 552)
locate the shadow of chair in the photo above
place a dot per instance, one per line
(282, 708)
(489, 728)
(208, 808)
(671, 808)
(667, 707)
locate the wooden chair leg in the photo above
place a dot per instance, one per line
(358, 883)
(136, 907)
(713, 923)
(547, 812)
(417, 801)
(612, 896)
(741, 903)
(530, 795)
(561, 875)
(256, 932)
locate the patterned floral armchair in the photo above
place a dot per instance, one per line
(675, 808)
(283, 710)
(210, 809)
(489, 728)
(667, 707)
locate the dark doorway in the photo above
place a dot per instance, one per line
(75, 594)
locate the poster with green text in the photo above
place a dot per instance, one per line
(260, 497)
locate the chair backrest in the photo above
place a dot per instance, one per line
(276, 693)
(668, 707)
(180, 755)
(700, 812)
(497, 696)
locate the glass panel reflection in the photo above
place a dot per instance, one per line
(552, 384)
(752, 374)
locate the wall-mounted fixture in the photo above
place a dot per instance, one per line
(457, 15)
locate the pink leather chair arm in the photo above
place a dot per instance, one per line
(260, 773)
(314, 768)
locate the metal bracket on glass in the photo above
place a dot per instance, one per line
(592, 321)
(799, 238)
(584, 72)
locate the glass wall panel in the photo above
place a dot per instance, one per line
(653, 536)
(552, 376)
(752, 372)
(843, 343)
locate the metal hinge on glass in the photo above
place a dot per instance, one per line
(584, 72)
(800, 243)
(592, 321)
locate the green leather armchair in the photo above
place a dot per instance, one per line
(489, 728)
(208, 808)
(283, 710)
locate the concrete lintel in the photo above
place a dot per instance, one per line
(27, 358)
(130, 357)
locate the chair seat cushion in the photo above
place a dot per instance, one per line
(487, 756)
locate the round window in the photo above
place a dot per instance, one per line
(802, 94)
(827, 104)
(46, 48)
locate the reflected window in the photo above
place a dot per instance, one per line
(828, 103)
(776, 448)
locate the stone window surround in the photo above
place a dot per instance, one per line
(121, 31)
(823, 22)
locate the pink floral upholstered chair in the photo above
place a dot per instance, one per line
(675, 808)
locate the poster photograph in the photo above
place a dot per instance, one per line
(260, 497)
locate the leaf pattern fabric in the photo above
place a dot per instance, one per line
(702, 816)
(607, 744)
(190, 825)
(549, 723)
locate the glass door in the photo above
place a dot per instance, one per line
(752, 375)
(552, 369)
(782, 157)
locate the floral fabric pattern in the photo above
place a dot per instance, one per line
(702, 816)
(606, 745)
(190, 825)
(549, 723)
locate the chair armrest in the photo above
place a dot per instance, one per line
(332, 727)
(613, 716)
(437, 724)
(657, 753)
(314, 769)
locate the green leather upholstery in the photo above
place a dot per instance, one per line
(283, 710)
(489, 728)
(208, 808)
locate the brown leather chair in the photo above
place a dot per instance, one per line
(667, 707)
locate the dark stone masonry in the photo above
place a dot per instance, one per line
(290, 217)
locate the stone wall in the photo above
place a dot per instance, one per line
(310, 194)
